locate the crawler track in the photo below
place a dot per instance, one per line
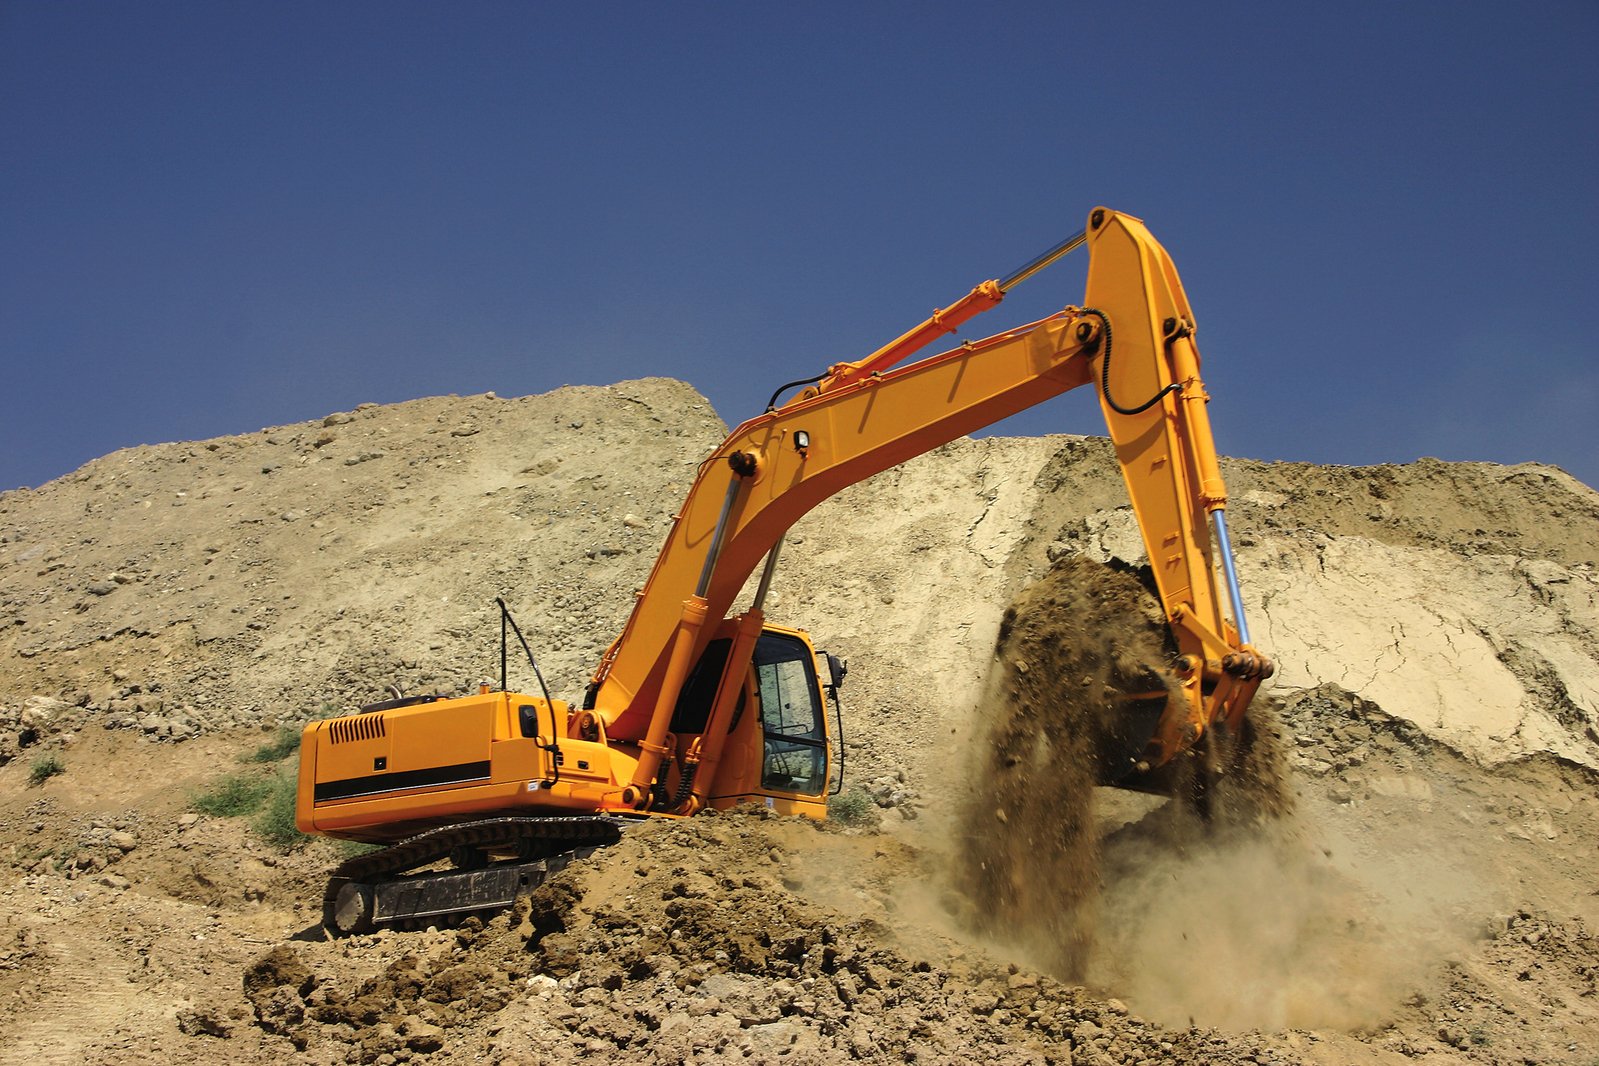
(378, 888)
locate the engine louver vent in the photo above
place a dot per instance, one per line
(356, 727)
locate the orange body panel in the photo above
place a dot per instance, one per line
(383, 775)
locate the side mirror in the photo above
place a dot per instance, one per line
(837, 670)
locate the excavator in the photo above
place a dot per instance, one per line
(476, 799)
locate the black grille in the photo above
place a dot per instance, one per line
(356, 727)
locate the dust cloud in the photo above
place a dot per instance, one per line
(1260, 927)
(1243, 919)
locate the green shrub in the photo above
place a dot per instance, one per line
(275, 823)
(233, 796)
(44, 768)
(269, 799)
(854, 807)
(285, 742)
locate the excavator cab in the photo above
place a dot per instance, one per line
(781, 755)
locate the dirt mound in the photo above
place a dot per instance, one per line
(709, 939)
(194, 586)
(1529, 511)
(163, 609)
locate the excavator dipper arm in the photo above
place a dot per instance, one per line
(1133, 338)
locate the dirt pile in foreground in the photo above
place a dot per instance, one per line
(710, 940)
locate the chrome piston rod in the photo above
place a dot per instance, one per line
(1075, 241)
(1224, 545)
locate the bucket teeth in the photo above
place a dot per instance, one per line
(1248, 665)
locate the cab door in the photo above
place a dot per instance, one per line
(793, 725)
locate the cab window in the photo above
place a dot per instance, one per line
(791, 716)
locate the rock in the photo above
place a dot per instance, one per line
(197, 1022)
(752, 1002)
(982, 1002)
(420, 1035)
(123, 841)
(282, 968)
(338, 418)
(771, 1039)
(39, 711)
(279, 1010)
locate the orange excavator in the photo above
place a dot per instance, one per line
(695, 707)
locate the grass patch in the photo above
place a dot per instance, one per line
(285, 742)
(44, 768)
(855, 807)
(267, 801)
(275, 823)
(234, 796)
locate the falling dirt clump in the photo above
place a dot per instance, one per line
(1069, 648)
(1241, 780)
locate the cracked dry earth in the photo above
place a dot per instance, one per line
(1429, 896)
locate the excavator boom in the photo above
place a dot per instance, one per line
(1133, 338)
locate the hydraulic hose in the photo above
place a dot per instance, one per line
(772, 403)
(1104, 374)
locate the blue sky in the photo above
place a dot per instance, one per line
(222, 216)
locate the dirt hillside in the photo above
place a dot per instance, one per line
(165, 609)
